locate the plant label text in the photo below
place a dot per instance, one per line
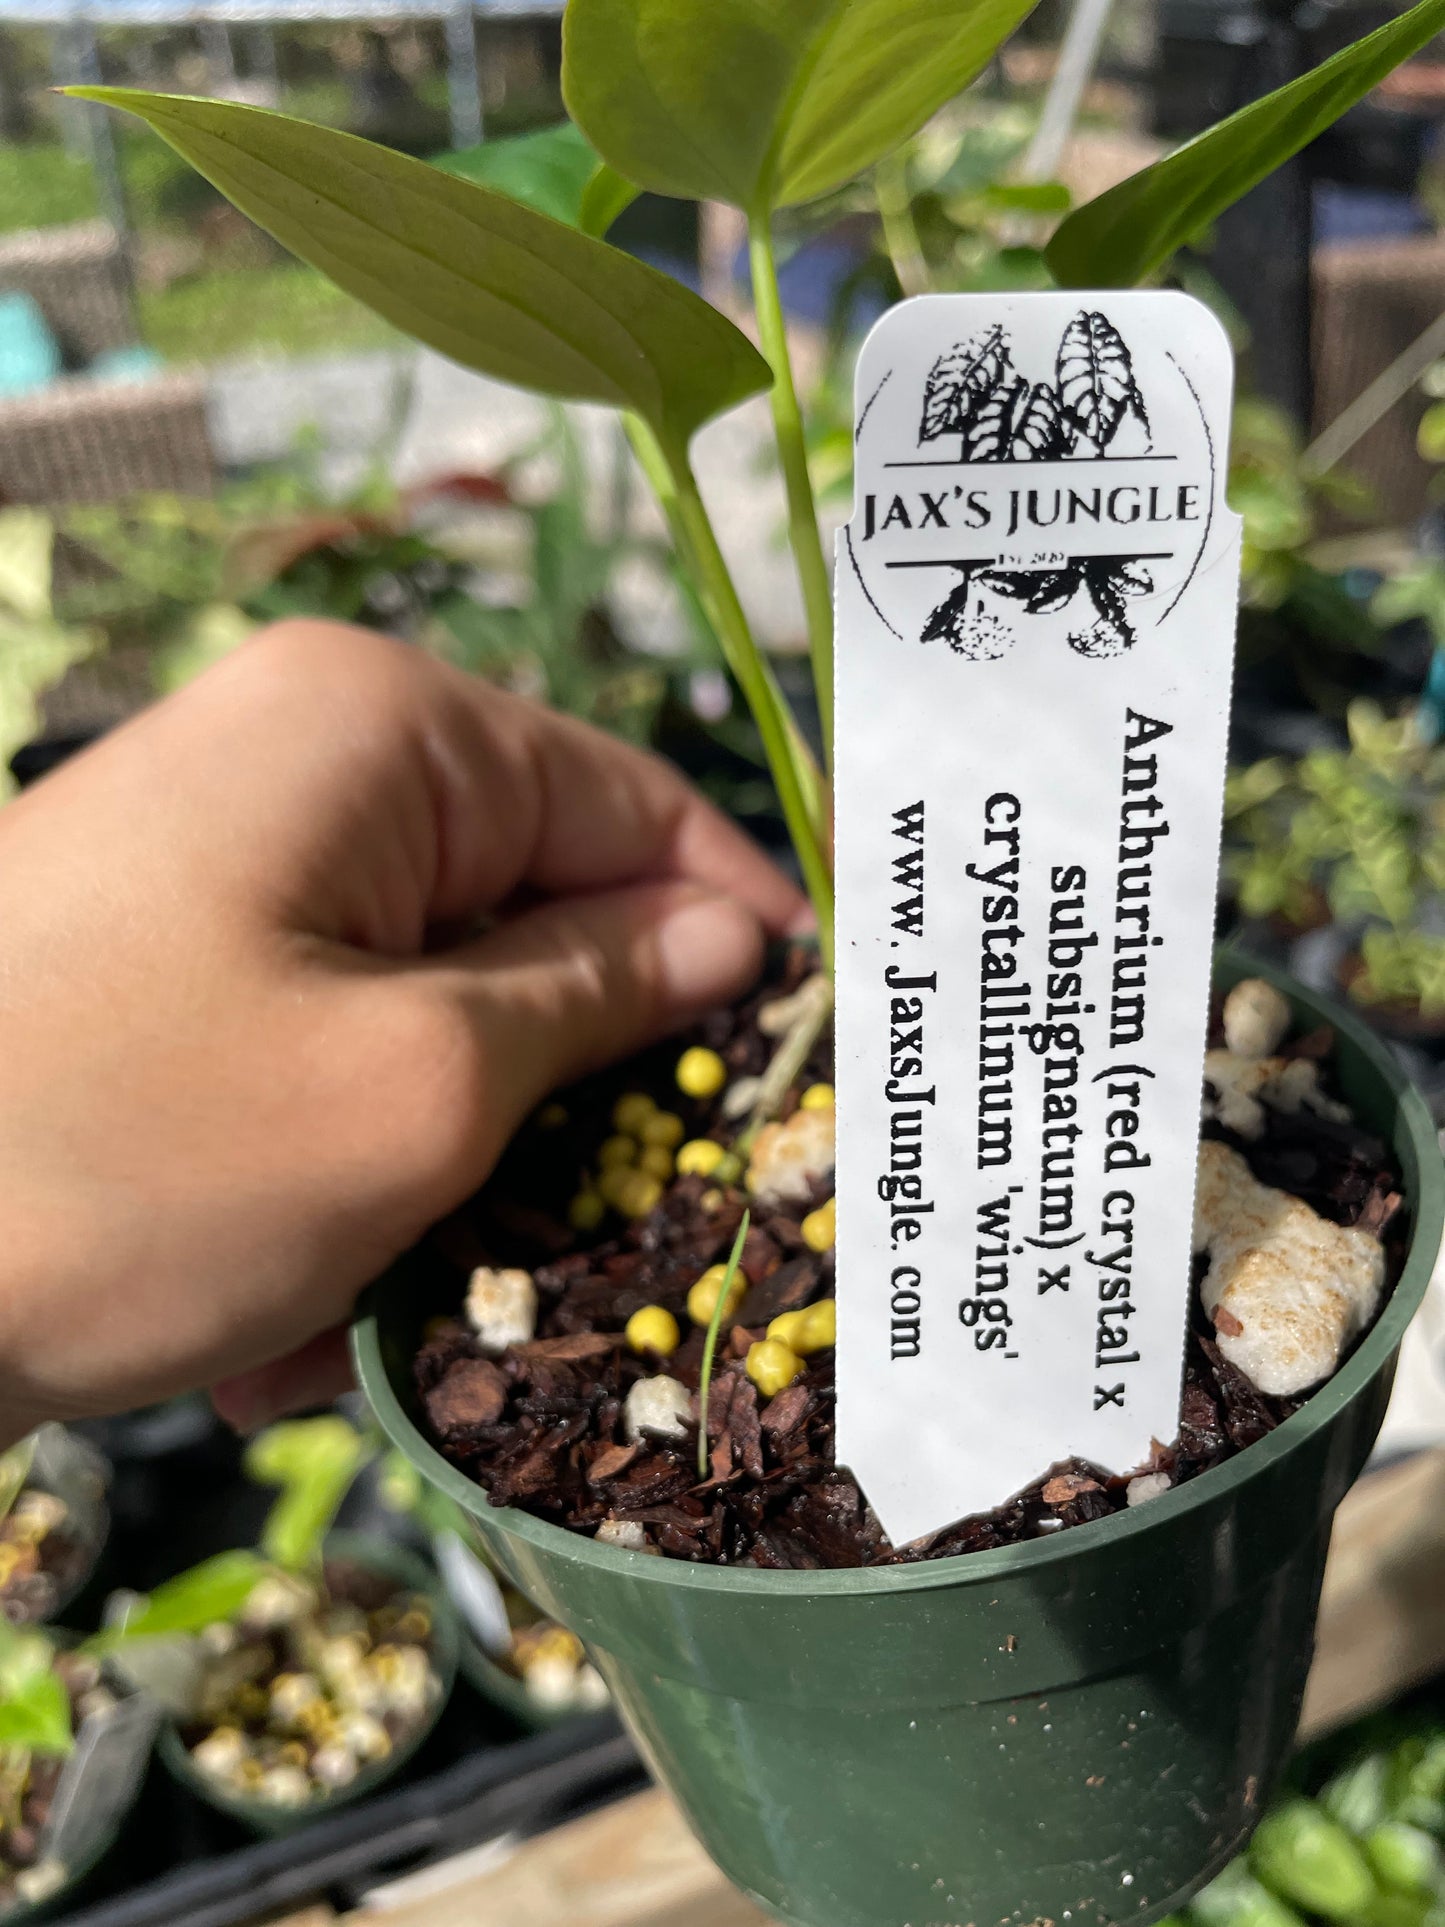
(1036, 601)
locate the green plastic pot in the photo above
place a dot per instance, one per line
(1080, 1730)
(394, 1562)
(80, 1870)
(508, 1694)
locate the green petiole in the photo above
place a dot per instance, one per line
(704, 1383)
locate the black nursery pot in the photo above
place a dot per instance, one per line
(1080, 1729)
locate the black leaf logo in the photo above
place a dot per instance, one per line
(1110, 584)
(965, 622)
(1097, 389)
(961, 381)
(975, 391)
(1042, 591)
(967, 627)
(1017, 423)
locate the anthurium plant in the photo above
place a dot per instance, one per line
(35, 1710)
(766, 108)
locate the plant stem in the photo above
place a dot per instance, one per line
(714, 1326)
(792, 1054)
(900, 231)
(803, 534)
(800, 811)
(799, 787)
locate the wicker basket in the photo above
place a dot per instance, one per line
(1371, 300)
(93, 441)
(76, 277)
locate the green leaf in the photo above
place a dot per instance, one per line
(1236, 1899)
(15, 1467)
(469, 271)
(204, 636)
(1309, 1860)
(1120, 238)
(35, 650)
(1430, 435)
(554, 170)
(1029, 197)
(35, 1713)
(207, 1595)
(766, 103)
(26, 538)
(314, 1462)
(714, 1326)
(1403, 1857)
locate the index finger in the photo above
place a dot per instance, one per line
(544, 801)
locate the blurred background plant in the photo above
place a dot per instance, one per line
(1355, 1838)
(543, 588)
(36, 646)
(1355, 834)
(1307, 634)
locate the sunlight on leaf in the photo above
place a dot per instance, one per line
(35, 650)
(209, 1594)
(25, 541)
(470, 272)
(767, 106)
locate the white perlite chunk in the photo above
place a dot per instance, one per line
(334, 1766)
(1286, 1289)
(285, 1786)
(660, 1405)
(502, 1307)
(1256, 1018)
(37, 1883)
(789, 1159)
(1238, 1088)
(221, 1752)
(630, 1534)
(1149, 1485)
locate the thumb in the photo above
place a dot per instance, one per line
(585, 981)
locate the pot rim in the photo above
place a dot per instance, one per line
(1415, 1137)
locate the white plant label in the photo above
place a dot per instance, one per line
(1036, 602)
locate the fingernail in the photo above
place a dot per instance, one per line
(708, 949)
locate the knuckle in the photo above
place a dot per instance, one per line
(441, 1134)
(589, 995)
(332, 656)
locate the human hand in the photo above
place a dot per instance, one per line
(250, 1044)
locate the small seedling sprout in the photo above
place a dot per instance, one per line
(314, 1462)
(704, 1382)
